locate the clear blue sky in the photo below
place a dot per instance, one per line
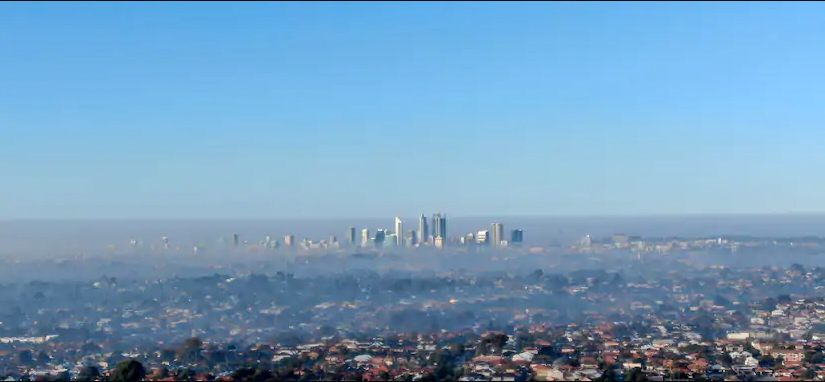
(279, 110)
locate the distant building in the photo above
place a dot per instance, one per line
(234, 239)
(516, 236)
(423, 231)
(289, 240)
(434, 228)
(365, 237)
(399, 232)
(483, 237)
(351, 236)
(380, 236)
(470, 239)
(439, 226)
(439, 242)
(411, 239)
(586, 242)
(497, 235)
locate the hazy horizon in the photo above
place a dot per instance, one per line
(41, 234)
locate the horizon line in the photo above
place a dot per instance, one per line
(452, 217)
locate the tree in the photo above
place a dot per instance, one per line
(608, 374)
(184, 374)
(167, 355)
(726, 359)
(243, 374)
(457, 349)
(89, 373)
(129, 370)
(767, 361)
(43, 358)
(190, 350)
(25, 357)
(635, 374)
(814, 357)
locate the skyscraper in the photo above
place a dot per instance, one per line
(380, 235)
(516, 236)
(399, 232)
(234, 239)
(498, 234)
(422, 229)
(434, 227)
(351, 236)
(443, 229)
(483, 237)
(365, 237)
(440, 226)
(410, 239)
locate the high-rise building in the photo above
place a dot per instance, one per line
(497, 234)
(365, 237)
(351, 236)
(411, 239)
(234, 239)
(399, 232)
(470, 239)
(483, 237)
(440, 226)
(516, 236)
(380, 236)
(289, 240)
(434, 227)
(422, 229)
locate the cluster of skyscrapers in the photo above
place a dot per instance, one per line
(432, 232)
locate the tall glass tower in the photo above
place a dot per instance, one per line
(399, 232)
(422, 229)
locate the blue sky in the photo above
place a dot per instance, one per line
(280, 110)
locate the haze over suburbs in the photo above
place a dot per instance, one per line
(412, 191)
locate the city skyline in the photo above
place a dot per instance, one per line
(372, 237)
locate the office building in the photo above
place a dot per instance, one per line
(351, 236)
(443, 228)
(234, 239)
(470, 239)
(439, 242)
(440, 226)
(289, 241)
(516, 236)
(497, 235)
(365, 237)
(411, 239)
(423, 233)
(483, 237)
(433, 229)
(399, 232)
(380, 236)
